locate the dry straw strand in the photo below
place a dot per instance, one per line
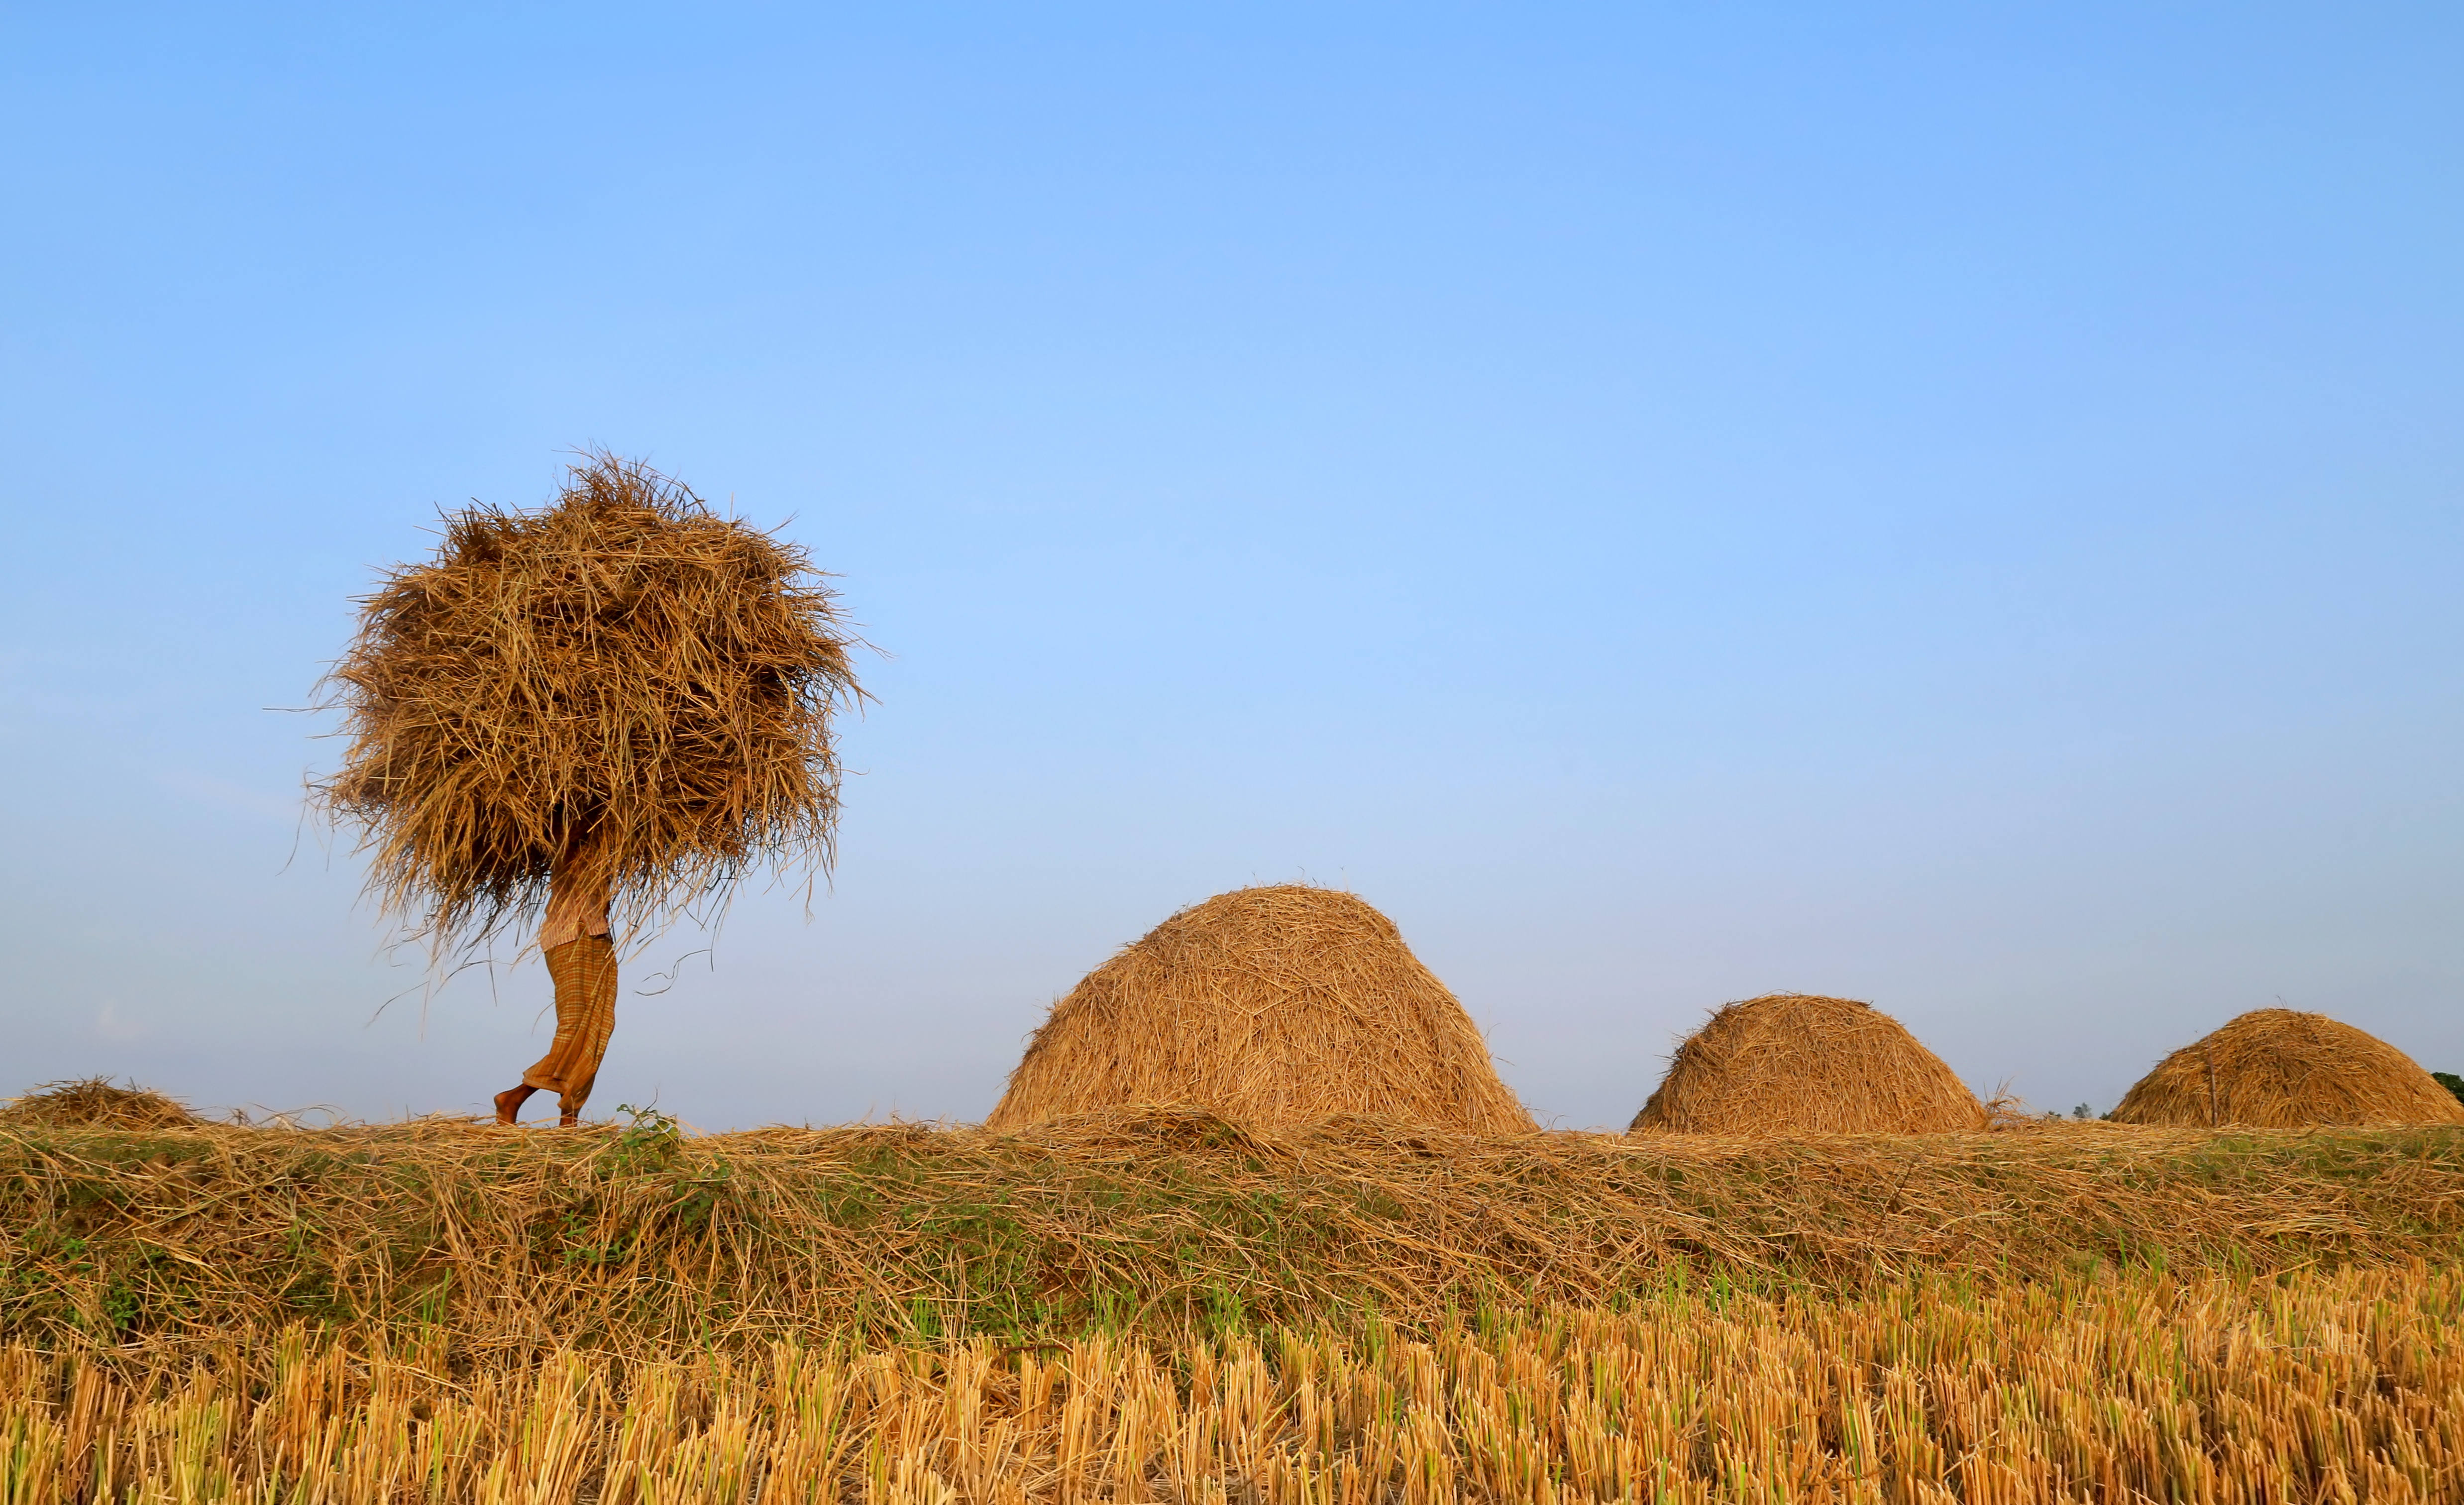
(2285, 1069)
(1798, 1063)
(623, 689)
(1272, 1007)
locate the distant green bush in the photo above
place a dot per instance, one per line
(2450, 1081)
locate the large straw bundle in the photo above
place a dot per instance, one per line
(1794, 1063)
(2284, 1069)
(623, 690)
(1272, 1007)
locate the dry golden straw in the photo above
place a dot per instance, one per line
(1794, 1063)
(2282, 1069)
(640, 1243)
(94, 1103)
(2341, 1387)
(623, 692)
(1272, 1007)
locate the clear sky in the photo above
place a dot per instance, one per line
(1958, 506)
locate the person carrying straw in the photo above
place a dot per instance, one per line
(599, 714)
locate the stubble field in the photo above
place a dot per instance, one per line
(1162, 1307)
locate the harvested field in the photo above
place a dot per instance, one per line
(643, 1243)
(2315, 1386)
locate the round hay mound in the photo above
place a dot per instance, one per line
(2284, 1069)
(1796, 1062)
(1272, 1007)
(94, 1103)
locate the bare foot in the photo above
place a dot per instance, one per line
(509, 1103)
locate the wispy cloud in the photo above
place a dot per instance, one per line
(108, 1023)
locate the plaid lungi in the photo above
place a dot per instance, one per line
(585, 971)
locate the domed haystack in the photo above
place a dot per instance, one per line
(1270, 1006)
(2282, 1069)
(1793, 1063)
(95, 1103)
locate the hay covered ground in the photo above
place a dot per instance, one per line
(643, 1243)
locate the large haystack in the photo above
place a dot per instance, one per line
(2284, 1069)
(1271, 1006)
(1794, 1063)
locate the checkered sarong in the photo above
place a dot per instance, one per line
(585, 971)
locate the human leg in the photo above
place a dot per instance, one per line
(584, 972)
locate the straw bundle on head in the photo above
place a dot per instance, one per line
(623, 691)
(1271, 1006)
(1794, 1063)
(2282, 1069)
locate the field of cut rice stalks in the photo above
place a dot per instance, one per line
(1162, 1306)
(2309, 1386)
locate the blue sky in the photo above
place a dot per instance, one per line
(1947, 505)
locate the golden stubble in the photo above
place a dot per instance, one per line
(2340, 1385)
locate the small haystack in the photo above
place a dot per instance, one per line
(1794, 1063)
(95, 1103)
(2284, 1069)
(1271, 1006)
